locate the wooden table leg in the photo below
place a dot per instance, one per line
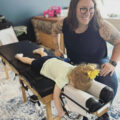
(23, 92)
(49, 112)
(6, 71)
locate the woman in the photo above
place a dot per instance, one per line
(85, 36)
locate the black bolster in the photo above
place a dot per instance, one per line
(106, 94)
(93, 105)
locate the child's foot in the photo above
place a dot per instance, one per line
(40, 51)
(25, 60)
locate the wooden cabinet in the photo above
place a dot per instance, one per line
(42, 27)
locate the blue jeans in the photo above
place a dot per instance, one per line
(111, 81)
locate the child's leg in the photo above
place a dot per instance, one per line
(25, 60)
(40, 51)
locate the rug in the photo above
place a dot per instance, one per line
(13, 108)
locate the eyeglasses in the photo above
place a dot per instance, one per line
(85, 10)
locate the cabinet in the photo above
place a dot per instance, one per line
(42, 28)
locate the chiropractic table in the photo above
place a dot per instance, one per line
(41, 86)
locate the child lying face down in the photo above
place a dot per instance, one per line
(80, 77)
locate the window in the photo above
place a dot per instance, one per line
(109, 8)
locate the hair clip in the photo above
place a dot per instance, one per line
(93, 74)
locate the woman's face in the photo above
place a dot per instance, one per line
(84, 11)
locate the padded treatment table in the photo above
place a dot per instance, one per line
(41, 86)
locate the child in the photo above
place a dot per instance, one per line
(80, 77)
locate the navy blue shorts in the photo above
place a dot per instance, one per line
(38, 63)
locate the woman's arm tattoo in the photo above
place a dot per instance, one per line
(109, 33)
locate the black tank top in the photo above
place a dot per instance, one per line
(86, 47)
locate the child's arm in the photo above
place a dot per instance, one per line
(56, 97)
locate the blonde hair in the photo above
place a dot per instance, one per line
(83, 75)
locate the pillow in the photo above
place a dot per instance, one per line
(7, 36)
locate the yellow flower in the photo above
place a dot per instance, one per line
(93, 74)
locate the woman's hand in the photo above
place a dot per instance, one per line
(106, 69)
(59, 52)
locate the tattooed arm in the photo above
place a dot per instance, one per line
(110, 34)
(56, 29)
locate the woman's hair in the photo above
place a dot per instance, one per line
(72, 19)
(83, 75)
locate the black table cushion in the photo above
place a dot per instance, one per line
(44, 86)
(41, 84)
